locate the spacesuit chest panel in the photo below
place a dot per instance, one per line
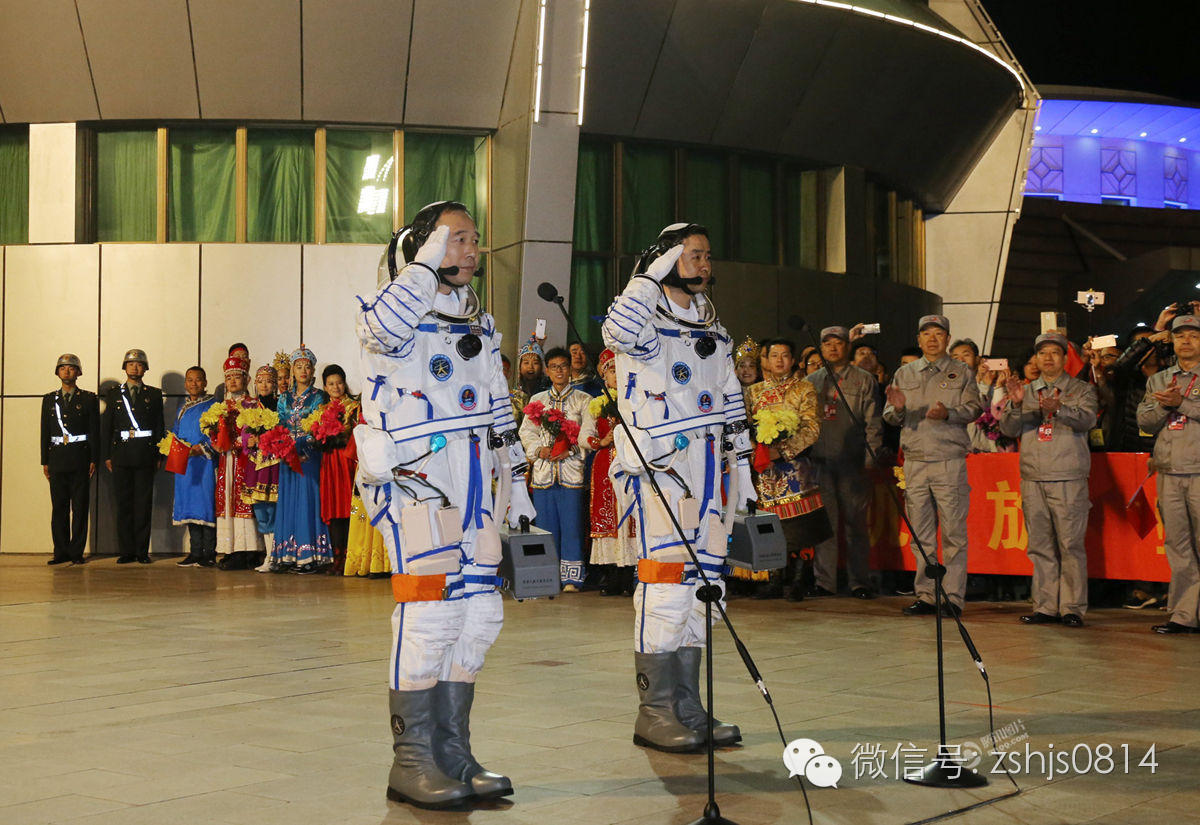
(679, 390)
(433, 387)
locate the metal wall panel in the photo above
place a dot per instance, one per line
(44, 74)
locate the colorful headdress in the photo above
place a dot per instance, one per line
(607, 356)
(282, 362)
(531, 346)
(303, 353)
(267, 369)
(235, 364)
(747, 349)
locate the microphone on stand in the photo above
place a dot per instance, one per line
(549, 292)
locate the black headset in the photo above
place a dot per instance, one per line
(669, 238)
(409, 239)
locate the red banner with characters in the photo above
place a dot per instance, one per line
(996, 526)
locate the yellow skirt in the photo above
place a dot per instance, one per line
(366, 552)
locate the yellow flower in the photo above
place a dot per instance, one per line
(257, 418)
(210, 419)
(164, 446)
(773, 423)
(309, 421)
(596, 407)
(898, 472)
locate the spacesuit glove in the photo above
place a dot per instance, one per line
(433, 251)
(517, 461)
(664, 265)
(519, 504)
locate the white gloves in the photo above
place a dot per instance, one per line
(519, 504)
(745, 490)
(433, 251)
(664, 265)
(377, 455)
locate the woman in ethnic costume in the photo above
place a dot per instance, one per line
(301, 540)
(786, 481)
(237, 536)
(748, 371)
(339, 462)
(614, 542)
(261, 470)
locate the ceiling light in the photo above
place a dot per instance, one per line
(1094, 131)
(1143, 134)
(1183, 140)
(1037, 128)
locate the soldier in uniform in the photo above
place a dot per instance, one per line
(932, 400)
(1052, 417)
(841, 456)
(70, 451)
(132, 428)
(677, 389)
(1171, 410)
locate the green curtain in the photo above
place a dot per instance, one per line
(647, 194)
(482, 176)
(280, 186)
(359, 173)
(756, 218)
(801, 234)
(126, 196)
(14, 184)
(201, 201)
(706, 199)
(591, 293)
(594, 197)
(439, 168)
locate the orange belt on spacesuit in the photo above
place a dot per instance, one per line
(660, 572)
(419, 588)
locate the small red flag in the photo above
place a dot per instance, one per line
(1141, 514)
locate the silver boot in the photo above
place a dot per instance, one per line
(452, 741)
(656, 725)
(415, 777)
(688, 708)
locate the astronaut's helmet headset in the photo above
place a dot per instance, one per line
(670, 237)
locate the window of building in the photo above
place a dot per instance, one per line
(802, 211)
(592, 264)
(14, 194)
(126, 185)
(360, 180)
(280, 198)
(1115, 200)
(201, 182)
(756, 211)
(647, 194)
(706, 196)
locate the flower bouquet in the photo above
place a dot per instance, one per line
(771, 425)
(218, 422)
(278, 442)
(327, 425)
(177, 452)
(604, 409)
(989, 425)
(563, 430)
(257, 420)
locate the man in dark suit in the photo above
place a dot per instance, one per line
(70, 451)
(132, 428)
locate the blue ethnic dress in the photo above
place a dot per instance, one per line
(194, 490)
(300, 536)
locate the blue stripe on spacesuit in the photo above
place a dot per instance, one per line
(709, 482)
(637, 499)
(435, 551)
(399, 642)
(474, 504)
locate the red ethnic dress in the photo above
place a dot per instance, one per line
(613, 528)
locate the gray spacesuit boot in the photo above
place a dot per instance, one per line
(452, 741)
(415, 777)
(688, 708)
(656, 725)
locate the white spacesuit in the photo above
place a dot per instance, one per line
(439, 425)
(677, 391)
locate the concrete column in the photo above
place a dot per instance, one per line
(57, 210)
(533, 192)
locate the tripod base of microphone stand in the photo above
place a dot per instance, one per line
(712, 816)
(947, 772)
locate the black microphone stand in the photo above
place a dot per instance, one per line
(945, 771)
(708, 593)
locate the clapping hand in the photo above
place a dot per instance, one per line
(1171, 397)
(895, 397)
(1014, 389)
(1050, 405)
(938, 412)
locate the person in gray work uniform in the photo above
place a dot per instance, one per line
(1052, 417)
(841, 455)
(1170, 409)
(932, 400)
(70, 448)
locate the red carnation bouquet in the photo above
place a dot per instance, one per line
(278, 442)
(327, 425)
(563, 430)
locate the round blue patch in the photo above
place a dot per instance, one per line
(681, 372)
(441, 367)
(704, 401)
(467, 399)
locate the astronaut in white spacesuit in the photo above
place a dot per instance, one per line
(439, 424)
(677, 390)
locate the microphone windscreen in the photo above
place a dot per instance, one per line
(547, 291)
(448, 271)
